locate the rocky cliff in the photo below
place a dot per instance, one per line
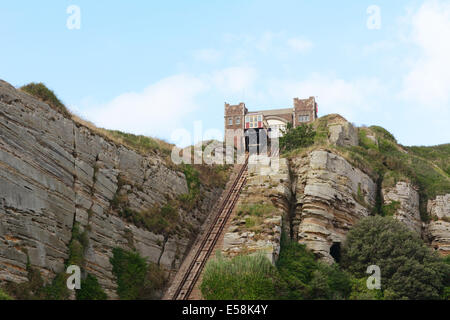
(332, 196)
(55, 173)
(318, 193)
(438, 230)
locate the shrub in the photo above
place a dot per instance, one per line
(130, 269)
(77, 246)
(4, 296)
(409, 269)
(135, 278)
(243, 277)
(359, 290)
(90, 289)
(57, 289)
(41, 92)
(193, 182)
(293, 138)
(390, 209)
(154, 282)
(296, 266)
(330, 283)
(364, 141)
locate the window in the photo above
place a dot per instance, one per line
(259, 118)
(238, 120)
(303, 118)
(247, 119)
(230, 121)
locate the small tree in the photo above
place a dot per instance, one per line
(409, 269)
(293, 138)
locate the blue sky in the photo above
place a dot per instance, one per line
(150, 67)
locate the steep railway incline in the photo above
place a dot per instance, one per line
(188, 275)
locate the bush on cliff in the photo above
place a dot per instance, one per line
(4, 296)
(409, 269)
(293, 138)
(296, 266)
(90, 289)
(307, 278)
(135, 278)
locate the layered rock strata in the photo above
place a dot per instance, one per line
(55, 172)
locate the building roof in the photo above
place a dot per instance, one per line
(273, 112)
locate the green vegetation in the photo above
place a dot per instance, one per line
(254, 215)
(425, 167)
(77, 246)
(90, 289)
(4, 295)
(297, 276)
(296, 266)
(189, 200)
(306, 278)
(321, 127)
(383, 133)
(35, 289)
(240, 278)
(57, 289)
(135, 278)
(384, 160)
(140, 143)
(255, 209)
(390, 209)
(294, 138)
(160, 220)
(41, 92)
(409, 269)
(438, 155)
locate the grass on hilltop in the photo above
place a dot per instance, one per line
(387, 162)
(139, 143)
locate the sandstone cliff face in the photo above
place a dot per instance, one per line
(54, 172)
(317, 198)
(267, 188)
(331, 196)
(438, 229)
(404, 200)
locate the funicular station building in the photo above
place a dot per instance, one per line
(254, 130)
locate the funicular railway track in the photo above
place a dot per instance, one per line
(186, 285)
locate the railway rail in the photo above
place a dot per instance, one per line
(203, 251)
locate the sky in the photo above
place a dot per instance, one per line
(158, 67)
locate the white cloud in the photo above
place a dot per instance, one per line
(163, 106)
(428, 80)
(275, 43)
(299, 44)
(334, 95)
(208, 55)
(234, 80)
(155, 111)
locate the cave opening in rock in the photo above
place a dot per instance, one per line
(335, 251)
